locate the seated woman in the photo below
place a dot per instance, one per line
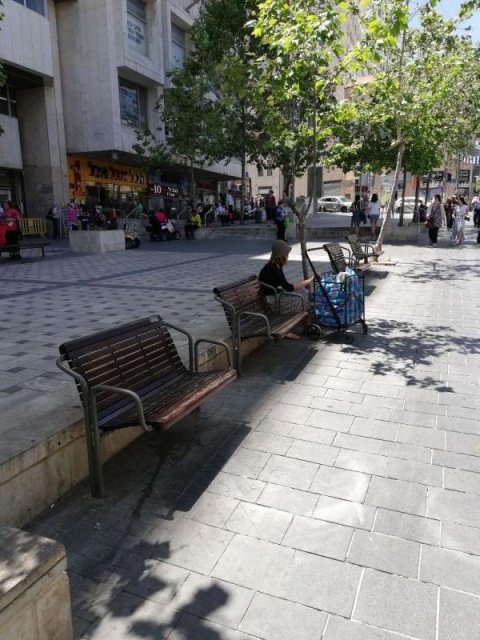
(272, 274)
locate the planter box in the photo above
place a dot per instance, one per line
(96, 241)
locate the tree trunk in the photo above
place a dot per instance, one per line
(402, 209)
(391, 202)
(416, 214)
(193, 192)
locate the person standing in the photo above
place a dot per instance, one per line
(461, 211)
(436, 217)
(11, 219)
(193, 224)
(356, 210)
(270, 204)
(476, 211)
(373, 214)
(280, 215)
(230, 205)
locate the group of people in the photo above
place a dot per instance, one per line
(453, 214)
(362, 210)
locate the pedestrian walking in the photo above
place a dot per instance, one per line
(435, 218)
(280, 215)
(11, 220)
(373, 214)
(476, 212)
(461, 211)
(270, 204)
(357, 213)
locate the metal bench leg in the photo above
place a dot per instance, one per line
(93, 448)
(237, 354)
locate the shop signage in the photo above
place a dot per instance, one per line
(464, 177)
(435, 178)
(164, 190)
(82, 171)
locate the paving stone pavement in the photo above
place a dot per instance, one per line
(332, 492)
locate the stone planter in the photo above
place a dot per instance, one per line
(96, 241)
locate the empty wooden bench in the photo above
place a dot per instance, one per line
(342, 257)
(7, 248)
(133, 375)
(250, 315)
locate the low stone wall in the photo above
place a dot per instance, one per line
(34, 593)
(96, 241)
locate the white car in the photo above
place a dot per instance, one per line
(409, 205)
(334, 203)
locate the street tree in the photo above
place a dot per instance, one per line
(412, 104)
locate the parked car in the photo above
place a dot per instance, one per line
(409, 205)
(334, 203)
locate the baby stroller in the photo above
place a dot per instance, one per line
(338, 303)
(161, 229)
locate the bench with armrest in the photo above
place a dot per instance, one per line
(133, 375)
(342, 257)
(249, 314)
(16, 248)
(362, 250)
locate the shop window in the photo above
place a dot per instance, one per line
(39, 6)
(133, 104)
(137, 26)
(179, 48)
(8, 101)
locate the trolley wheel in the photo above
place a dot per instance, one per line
(136, 243)
(128, 243)
(314, 332)
(365, 328)
(348, 338)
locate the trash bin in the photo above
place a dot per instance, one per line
(258, 216)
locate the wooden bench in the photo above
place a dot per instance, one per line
(342, 257)
(7, 248)
(133, 375)
(361, 250)
(250, 315)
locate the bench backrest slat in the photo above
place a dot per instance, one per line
(336, 257)
(246, 294)
(134, 356)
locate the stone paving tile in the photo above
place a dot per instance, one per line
(361, 461)
(456, 461)
(318, 537)
(289, 472)
(415, 472)
(397, 604)
(330, 420)
(461, 538)
(372, 412)
(409, 527)
(341, 629)
(246, 462)
(291, 500)
(234, 486)
(326, 404)
(465, 481)
(374, 429)
(422, 436)
(312, 434)
(209, 508)
(276, 619)
(386, 553)
(453, 506)
(255, 564)
(313, 452)
(159, 582)
(213, 600)
(297, 415)
(187, 626)
(344, 396)
(397, 495)
(462, 425)
(278, 427)
(338, 483)
(258, 521)
(463, 443)
(357, 443)
(267, 442)
(452, 569)
(407, 452)
(344, 512)
(459, 617)
(321, 583)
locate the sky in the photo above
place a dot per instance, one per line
(450, 7)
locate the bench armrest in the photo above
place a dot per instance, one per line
(273, 292)
(60, 362)
(126, 392)
(220, 343)
(255, 315)
(294, 295)
(191, 360)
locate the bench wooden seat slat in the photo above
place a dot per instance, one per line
(246, 296)
(138, 358)
(7, 248)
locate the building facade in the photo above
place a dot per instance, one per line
(82, 77)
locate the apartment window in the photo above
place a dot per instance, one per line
(269, 171)
(137, 26)
(133, 104)
(260, 172)
(8, 101)
(39, 6)
(179, 47)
